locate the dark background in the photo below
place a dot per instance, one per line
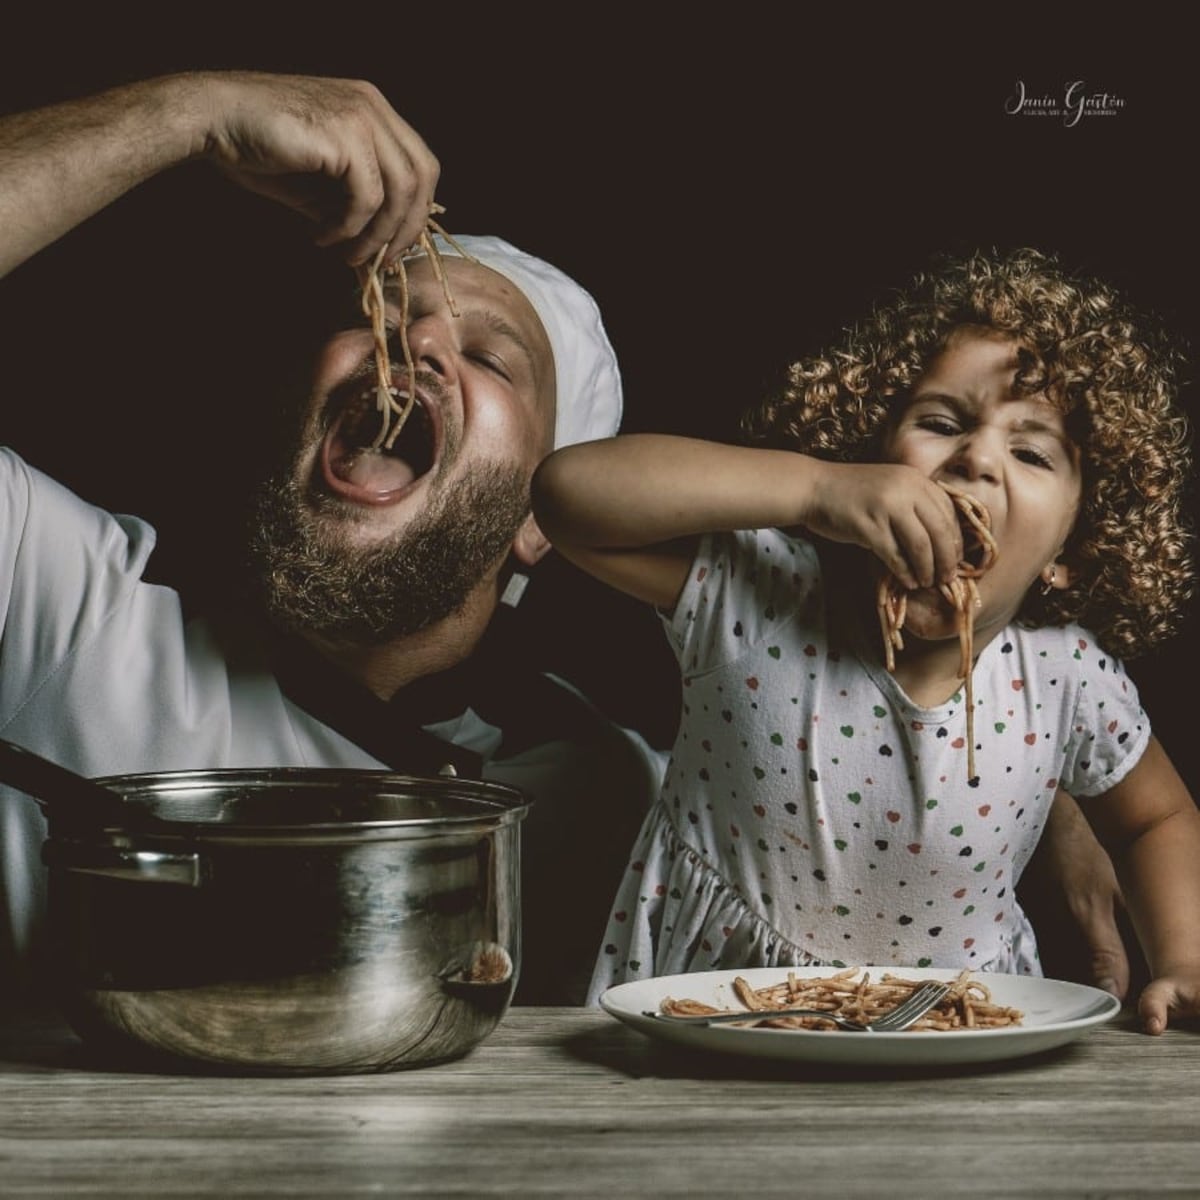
(732, 193)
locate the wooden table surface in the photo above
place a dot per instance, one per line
(568, 1102)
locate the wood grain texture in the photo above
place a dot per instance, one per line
(567, 1102)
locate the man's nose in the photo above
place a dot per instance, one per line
(432, 347)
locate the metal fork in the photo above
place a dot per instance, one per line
(901, 1017)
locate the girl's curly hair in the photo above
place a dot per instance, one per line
(1112, 372)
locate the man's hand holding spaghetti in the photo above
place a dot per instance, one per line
(332, 149)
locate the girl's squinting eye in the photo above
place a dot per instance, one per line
(938, 423)
(1034, 457)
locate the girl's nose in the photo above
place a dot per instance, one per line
(976, 457)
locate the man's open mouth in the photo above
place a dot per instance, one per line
(358, 463)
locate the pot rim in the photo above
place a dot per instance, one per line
(486, 804)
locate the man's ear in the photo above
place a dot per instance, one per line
(530, 543)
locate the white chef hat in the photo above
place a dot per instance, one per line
(587, 378)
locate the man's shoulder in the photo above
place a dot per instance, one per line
(31, 499)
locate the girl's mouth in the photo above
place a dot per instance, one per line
(975, 521)
(356, 468)
(975, 555)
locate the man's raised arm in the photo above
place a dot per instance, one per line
(332, 149)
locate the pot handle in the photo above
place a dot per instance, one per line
(138, 866)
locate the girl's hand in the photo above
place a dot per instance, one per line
(895, 511)
(1176, 994)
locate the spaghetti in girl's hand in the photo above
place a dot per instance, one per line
(961, 593)
(829, 799)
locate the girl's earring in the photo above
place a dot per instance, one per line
(1049, 586)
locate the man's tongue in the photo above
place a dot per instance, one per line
(360, 471)
(372, 470)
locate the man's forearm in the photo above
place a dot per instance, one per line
(60, 165)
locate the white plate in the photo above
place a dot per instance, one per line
(1056, 1012)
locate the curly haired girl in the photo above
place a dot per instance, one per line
(818, 809)
(1109, 371)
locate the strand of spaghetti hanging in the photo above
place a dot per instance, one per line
(394, 405)
(961, 593)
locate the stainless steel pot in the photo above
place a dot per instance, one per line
(304, 921)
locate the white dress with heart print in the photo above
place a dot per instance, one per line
(812, 814)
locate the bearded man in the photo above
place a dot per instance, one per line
(383, 577)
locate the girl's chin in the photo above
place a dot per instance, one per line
(929, 617)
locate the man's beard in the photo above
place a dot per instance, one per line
(313, 581)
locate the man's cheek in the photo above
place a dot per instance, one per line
(340, 357)
(507, 435)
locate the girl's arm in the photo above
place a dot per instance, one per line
(1150, 826)
(629, 509)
